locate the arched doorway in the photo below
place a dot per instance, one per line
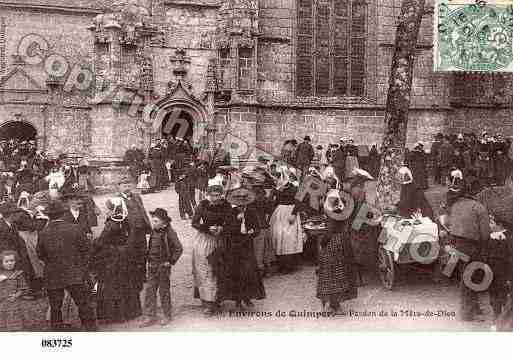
(179, 113)
(20, 130)
(178, 122)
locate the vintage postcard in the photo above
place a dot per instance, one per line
(238, 165)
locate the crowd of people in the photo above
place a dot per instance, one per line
(484, 159)
(168, 159)
(26, 170)
(343, 157)
(250, 223)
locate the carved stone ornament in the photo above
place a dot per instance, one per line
(211, 78)
(182, 61)
(130, 16)
(146, 65)
(173, 85)
(237, 19)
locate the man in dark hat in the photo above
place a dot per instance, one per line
(469, 231)
(65, 250)
(339, 160)
(435, 157)
(164, 250)
(220, 157)
(76, 213)
(11, 240)
(191, 174)
(155, 156)
(446, 159)
(304, 156)
(182, 188)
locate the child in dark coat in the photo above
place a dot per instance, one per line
(164, 250)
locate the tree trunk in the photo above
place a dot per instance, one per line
(398, 102)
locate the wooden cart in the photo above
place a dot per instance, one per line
(405, 242)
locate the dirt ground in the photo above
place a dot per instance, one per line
(416, 303)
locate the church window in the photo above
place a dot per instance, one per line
(330, 51)
(224, 63)
(245, 68)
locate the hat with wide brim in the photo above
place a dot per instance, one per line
(253, 175)
(79, 195)
(227, 169)
(338, 205)
(241, 196)
(262, 159)
(161, 213)
(258, 177)
(8, 208)
(54, 208)
(359, 177)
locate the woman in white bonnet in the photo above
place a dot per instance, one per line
(209, 221)
(412, 199)
(118, 300)
(286, 230)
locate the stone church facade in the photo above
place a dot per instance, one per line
(94, 77)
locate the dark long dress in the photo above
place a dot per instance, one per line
(412, 198)
(364, 242)
(238, 277)
(336, 273)
(418, 163)
(118, 300)
(374, 162)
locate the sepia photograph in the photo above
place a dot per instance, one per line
(171, 166)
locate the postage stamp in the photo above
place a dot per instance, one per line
(473, 35)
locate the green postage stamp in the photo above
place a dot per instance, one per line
(473, 35)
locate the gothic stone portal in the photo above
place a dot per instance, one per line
(179, 123)
(19, 130)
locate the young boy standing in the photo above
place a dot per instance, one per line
(164, 250)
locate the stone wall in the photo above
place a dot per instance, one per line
(65, 43)
(365, 126)
(65, 34)
(275, 78)
(326, 120)
(277, 114)
(191, 28)
(429, 89)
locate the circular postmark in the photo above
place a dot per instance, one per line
(475, 37)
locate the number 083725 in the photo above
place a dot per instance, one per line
(57, 343)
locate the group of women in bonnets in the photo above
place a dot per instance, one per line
(252, 220)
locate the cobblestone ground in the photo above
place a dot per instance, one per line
(294, 293)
